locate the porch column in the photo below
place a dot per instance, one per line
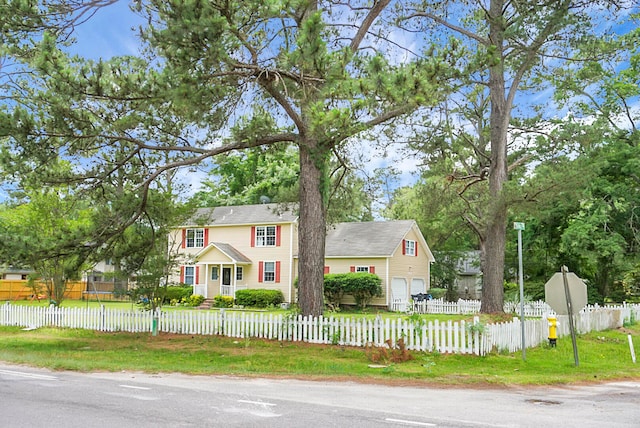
(234, 279)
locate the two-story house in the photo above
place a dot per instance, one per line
(225, 249)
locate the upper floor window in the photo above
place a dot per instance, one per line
(362, 269)
(266, 236)
(409, 248)
(194, 238)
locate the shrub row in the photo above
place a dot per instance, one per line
(259, 298)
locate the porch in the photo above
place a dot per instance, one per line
(225, 290)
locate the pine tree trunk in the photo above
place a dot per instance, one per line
(493, 275)
(312, 232)
(493, 287)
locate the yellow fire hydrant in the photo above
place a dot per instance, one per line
(553, 330)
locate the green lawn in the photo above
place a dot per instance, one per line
(603, 356)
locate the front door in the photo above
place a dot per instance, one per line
(226, 282)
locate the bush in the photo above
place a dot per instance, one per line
(333, 290)
(363, 287)
(178, 293)
(221, 301)
(195, 300)
(259, 298)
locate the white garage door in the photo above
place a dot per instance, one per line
(418, 286)
(398, 294)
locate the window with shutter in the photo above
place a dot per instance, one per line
(193, 238)
(266, 236)
(409, 248)
(188, 275)
(269, 271)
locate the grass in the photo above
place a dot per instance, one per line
(603, 356)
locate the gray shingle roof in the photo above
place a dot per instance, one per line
(368, 239)
(244, 214)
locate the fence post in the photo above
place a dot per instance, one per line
(476, 336)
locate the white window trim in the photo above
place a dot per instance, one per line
(217, 272)
(263, 240)
(198, 241)
(192, 275)
(407, 247)
(239, 273)
(360, 269)
(264, 272)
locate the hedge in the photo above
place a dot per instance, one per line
(177, 293)
(259, 297)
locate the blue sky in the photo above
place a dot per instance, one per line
(109, 33)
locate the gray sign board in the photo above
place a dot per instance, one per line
(555, 296)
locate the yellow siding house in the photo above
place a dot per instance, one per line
(225, 249)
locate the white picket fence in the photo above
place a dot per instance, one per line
(445, 337)
(440, 306)
(507, 336)
(535, 309)
(461, 306)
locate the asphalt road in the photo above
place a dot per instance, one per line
(41, 398)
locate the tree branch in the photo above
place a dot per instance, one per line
(374, 12)
(463, 31)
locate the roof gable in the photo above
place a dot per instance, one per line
(228, 250)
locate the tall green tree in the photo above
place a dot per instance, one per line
(513, 46)
(224, 76)
(47, 231)
(601, 235)
(318, 83)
